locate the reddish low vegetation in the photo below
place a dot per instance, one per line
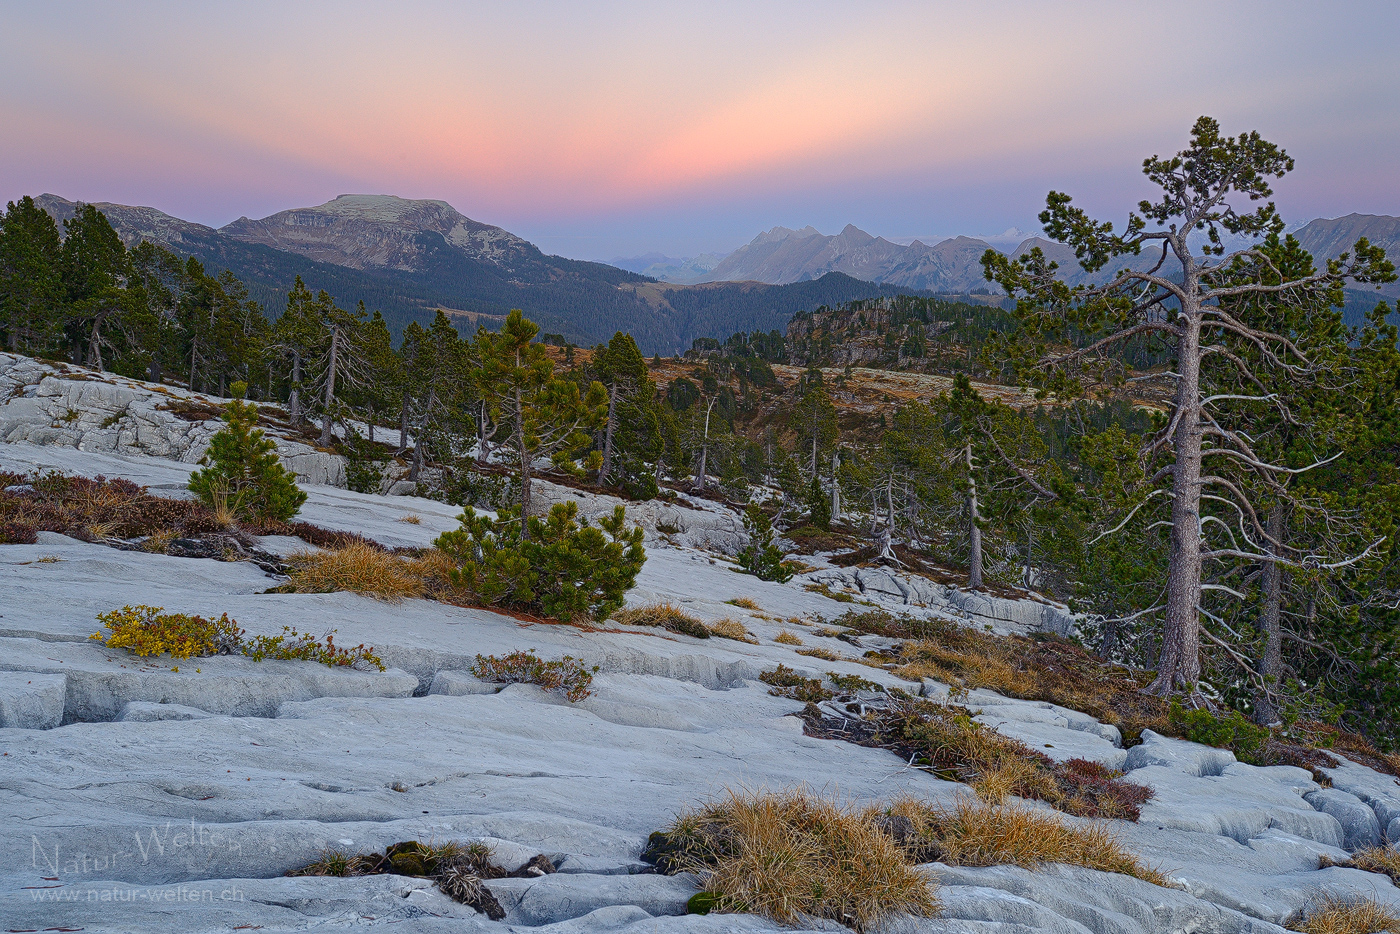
(1047, 668)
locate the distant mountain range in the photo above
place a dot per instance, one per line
(409, 258)
(782, 255)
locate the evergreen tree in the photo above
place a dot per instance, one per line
(815, 421)
(241, 466)
(103, 322)
(31, 286)
(622, 370)
(1182, 307)
(545, 416)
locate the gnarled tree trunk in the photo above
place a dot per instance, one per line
(1179, 666)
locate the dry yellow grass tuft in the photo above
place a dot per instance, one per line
(729, 628)
(1014, 776)
(744, 603)
(794, 855)
(1339, 914)
(963, 669)
(359, 568)
(1381, 859)
(787, 638)
(411, 519)
(825, 655)
(977, 833)
(664, 615)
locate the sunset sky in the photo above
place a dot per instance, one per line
(605, 129)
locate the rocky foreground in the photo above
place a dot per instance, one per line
(137, 798)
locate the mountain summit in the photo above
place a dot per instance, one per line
(781, 255)
(380, 231)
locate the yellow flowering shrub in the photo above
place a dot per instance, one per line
(147, 630)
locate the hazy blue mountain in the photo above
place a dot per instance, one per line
(409, 258)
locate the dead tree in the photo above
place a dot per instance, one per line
(1181, 305)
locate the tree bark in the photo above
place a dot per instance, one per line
(608, 436)
(1179, 667)
(329, 401)
(403, 424)
(835, 487)
(705, 447)
(524, 456)
(294, 400)
(974, 530)
(886, 539)
(1271, 658)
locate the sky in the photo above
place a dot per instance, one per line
(612, 129)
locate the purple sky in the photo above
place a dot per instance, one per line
(608, 129)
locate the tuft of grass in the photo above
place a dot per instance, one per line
(224, 505)
(792, 855)
(664, 615)
(158, 542)
(978, 833)
(729, 628)
(947, 741)
(358, 567)
(744, 603)
(1380, 859)
(1050, 669)
(787, 638)
(825, 591)
(411, 519)
(1341, 914)
(825, 655)
(457, 869)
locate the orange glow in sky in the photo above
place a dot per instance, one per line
(604, 128)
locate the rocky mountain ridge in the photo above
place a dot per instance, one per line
(783, 255)
(410, 258)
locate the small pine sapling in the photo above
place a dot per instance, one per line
(241, 467)
(761, 556)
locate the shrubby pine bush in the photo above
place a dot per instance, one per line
(1229, 730)
(242, 470)
(761, 556)
(565, 568)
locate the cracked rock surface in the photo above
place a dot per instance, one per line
(138, 799)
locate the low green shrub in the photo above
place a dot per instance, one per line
(566, 568)
(364, 463)
(786, 682)
(1229, 731)
(303, 647)
(567, 675)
